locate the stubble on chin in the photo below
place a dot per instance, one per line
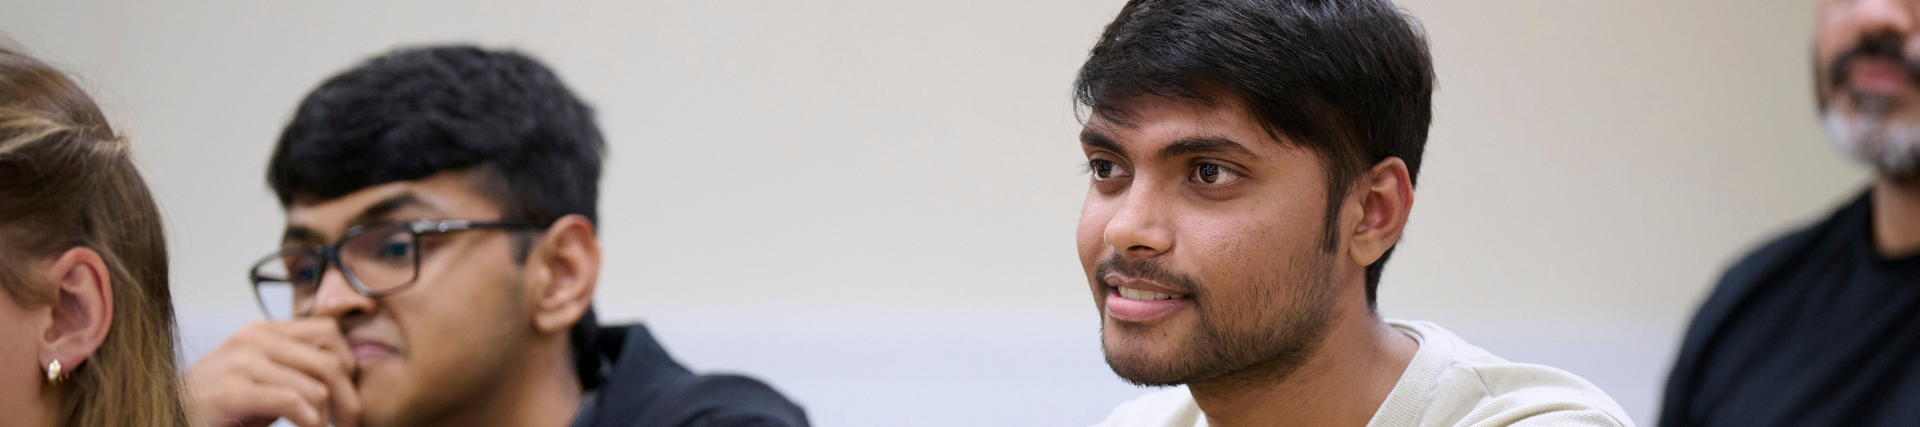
(1230, 344)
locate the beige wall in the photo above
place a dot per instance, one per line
(871, 203)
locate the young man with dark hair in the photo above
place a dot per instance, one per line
(1252, 167)
(1821, 327)
(439, 263)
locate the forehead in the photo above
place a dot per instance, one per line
(1153, 121)
(445, 195)
(1840, 8)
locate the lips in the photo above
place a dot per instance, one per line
(368, 348)
(1135, 300)
(1877, 76)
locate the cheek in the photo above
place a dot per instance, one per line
(457, 335)
(1836, 33)
(1239, 250)
(1824, 54)
(20, 374)
(1254, 233)
(1091, 236)
(464, 312)
(477, 308)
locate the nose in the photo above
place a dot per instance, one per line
(1880, 16)
(336, 298)
(1141, 228)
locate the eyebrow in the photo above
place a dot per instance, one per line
(372, 213)
(1206, 145)
(384, 207)
(1090, 138)
(296, 233)
(1183, 147)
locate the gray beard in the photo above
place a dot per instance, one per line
(1890, 147)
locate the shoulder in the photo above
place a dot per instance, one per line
(648, 388)
(1763, 261)
(1755, 273)
(1790, 248)
(1749, 273)
(734, 401)
(1473, 387)
(1522, 394)
(1166, 408)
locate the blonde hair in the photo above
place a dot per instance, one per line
(66, 181)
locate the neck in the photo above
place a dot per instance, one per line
(1896, 216)
(1343, 383)
(48, 410)
(540, 389)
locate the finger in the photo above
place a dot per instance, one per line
(286, 404)
(253, 374)
(346, 408)
(223, 386)
(320, 365)
(324, 336)
(321, 333)
(267, 374)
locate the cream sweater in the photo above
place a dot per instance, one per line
(1448, 383)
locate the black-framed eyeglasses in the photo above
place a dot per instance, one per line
(377, 260)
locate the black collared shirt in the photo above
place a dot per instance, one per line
(647, 388)
(1814, 329)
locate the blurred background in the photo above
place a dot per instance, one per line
(871, 203)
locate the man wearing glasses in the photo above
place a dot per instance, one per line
(439, 263)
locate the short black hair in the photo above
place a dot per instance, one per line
(1349, 79)
(415, 112)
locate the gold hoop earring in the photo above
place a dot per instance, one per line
(53, 372)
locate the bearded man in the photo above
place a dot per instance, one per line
(1822, 326)
(1252, 167)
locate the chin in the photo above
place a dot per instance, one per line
(382, 397)
(385, 410)
(1889, 145)
(1146, 370)
(1144, 355)
(374, 375)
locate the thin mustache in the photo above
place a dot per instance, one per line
(1887, 47)
(1147, 270)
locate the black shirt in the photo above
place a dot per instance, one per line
(1813, 329)
(647, 388)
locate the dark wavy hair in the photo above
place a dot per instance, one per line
(1349, 79)
(416, 112)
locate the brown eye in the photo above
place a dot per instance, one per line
(1213, 174)
(1102, 169)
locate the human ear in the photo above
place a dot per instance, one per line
(82, 308)
(564, 267)
(1384, 198)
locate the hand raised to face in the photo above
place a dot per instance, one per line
(300, 370)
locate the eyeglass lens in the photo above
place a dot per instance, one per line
(379, 259)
